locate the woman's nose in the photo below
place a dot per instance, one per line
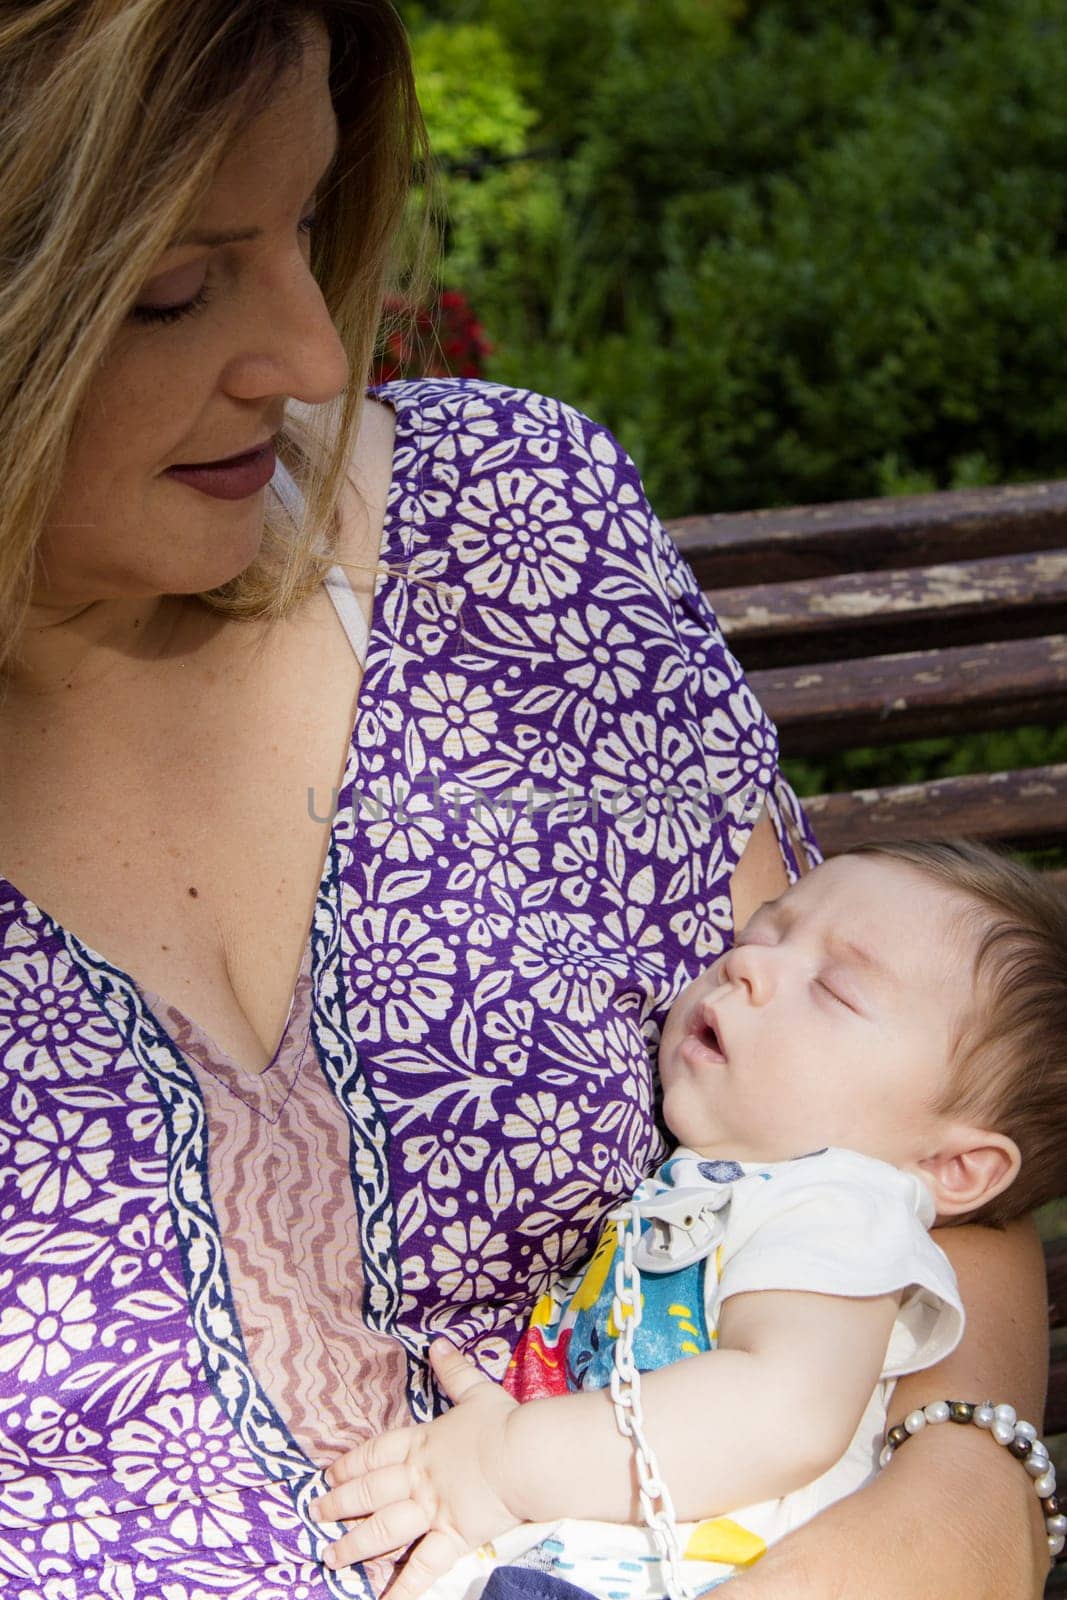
(293, 348)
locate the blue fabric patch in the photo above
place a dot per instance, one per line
(721, 1171)
(523, 1583)
(673, 1326)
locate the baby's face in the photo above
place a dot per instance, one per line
(830, 1022)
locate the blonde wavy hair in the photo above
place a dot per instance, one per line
(114, 117)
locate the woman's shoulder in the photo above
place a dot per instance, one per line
(479, 445)
(476, 413)
(455, 394)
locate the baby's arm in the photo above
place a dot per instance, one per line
(770, 1409)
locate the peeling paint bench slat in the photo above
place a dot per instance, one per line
(872, 535)
(1024, 807)
(825, 619)
(1029, 806)
(833, 705)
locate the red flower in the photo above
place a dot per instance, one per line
(443, 340)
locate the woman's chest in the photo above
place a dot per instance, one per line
(185, 842)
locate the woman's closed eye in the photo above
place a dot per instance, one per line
(153, 315)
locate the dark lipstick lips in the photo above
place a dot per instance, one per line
(224, 461)
(234, 479)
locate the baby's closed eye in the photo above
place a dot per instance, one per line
(835, 992)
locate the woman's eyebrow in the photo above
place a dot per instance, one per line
(212, 239)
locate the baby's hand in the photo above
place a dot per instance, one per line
(444, 1483)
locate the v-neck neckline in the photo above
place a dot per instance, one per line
(200, 1045)
(208, 1053)
(264, 1092)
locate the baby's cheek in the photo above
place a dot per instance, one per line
(695, 991)
(673, 1030)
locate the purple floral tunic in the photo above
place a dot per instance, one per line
(211, 1282)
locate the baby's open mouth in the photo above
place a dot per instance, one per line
(704, 1030)
(709, 1037)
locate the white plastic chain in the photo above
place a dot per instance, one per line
(656, 1505)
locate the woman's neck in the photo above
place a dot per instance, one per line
(69, 649)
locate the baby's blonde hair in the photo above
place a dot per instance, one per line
(1010, 1071)
(114, 118)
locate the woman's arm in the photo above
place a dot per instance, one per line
(760, 874)
(954, 1516)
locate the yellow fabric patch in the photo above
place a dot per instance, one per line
(723, 1540)
(612, 1326)
(543, 1311)
(596, 1273)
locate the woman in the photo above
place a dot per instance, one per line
(289, 1085)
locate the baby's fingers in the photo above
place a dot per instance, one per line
(384, 1450)
(361, 1497)
(393, 1528)
(457, 1374)
(431, 1558)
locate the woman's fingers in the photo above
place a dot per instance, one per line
(360, 1497)
(393, 1528)
(431, 1558)
(455, 1372)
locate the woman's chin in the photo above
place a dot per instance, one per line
(217, 567)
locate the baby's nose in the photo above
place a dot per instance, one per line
(751, 967)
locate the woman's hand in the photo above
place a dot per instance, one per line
(442, 1483)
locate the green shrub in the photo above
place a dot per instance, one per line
(789, 251)
(468, 91)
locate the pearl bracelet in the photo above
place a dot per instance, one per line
(1018, 1438)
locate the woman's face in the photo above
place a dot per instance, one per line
(208, 383)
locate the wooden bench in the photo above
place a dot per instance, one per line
(877, 621)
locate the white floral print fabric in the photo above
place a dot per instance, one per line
(555, 766)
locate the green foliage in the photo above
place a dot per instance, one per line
(898, 293)
(791, 251)
(920, 760)
(469, 92)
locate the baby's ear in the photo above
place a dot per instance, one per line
(971, 1167)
